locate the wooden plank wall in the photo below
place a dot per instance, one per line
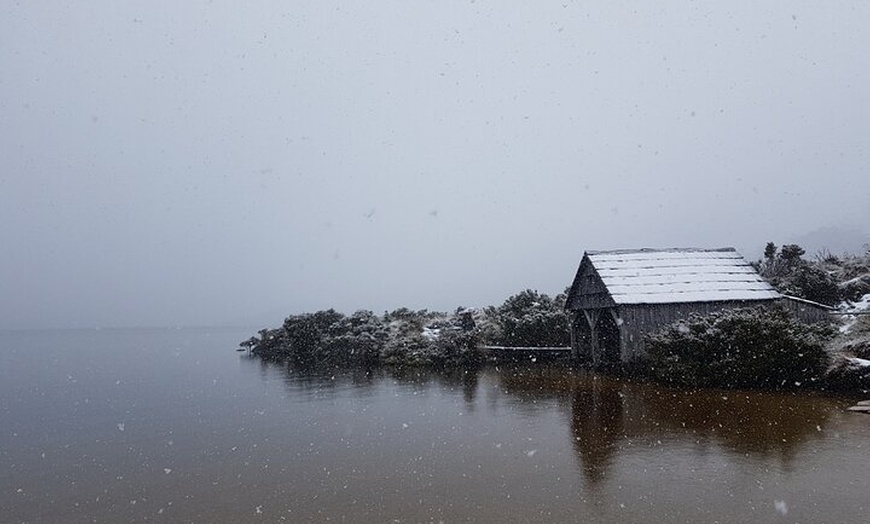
(592, 293)
(806, 312)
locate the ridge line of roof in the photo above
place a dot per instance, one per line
(661, 250)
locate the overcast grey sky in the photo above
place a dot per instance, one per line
(196, 163)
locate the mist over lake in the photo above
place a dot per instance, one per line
(193, 164)
(166, 166)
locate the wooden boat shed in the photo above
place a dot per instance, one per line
(619, 296)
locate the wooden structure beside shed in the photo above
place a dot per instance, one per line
(617, 297)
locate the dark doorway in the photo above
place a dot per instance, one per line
(608, 338)
(582, 338)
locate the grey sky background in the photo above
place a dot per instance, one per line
(200, 163)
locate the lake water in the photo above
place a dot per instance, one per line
(174, 426)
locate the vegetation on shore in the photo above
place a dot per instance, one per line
(760, 347)
(829, 279)
(749, 347)
(415, 338)
(765, 347)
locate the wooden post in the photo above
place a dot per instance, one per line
(575, 349)
(592, 318)
(623, 351)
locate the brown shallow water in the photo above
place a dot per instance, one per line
(173, 426)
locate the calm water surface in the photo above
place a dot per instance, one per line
(174, 426)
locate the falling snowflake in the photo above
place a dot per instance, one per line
(781, 507)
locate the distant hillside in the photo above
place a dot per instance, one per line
(837, 240)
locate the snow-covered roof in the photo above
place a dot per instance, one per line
(667, 276)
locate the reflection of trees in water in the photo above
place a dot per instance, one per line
(768, 425)
(315, 382)
(758, 424)
(606, 414)
(536, 382)
(606, 411)
(451, 379)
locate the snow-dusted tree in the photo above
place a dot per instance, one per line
(530, 318)
(789, 273)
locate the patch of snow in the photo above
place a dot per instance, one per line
(855, 280)
(850, 309)
(860, 305)
(863, 304)
(848, 323)
(431, 333)
(859, 362)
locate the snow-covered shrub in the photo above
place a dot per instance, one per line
(855, 288)
(457, 341)
(357, 339)
(413, 338)
(827, 279)
(323, 338)
(409, 342)
(762, 347)
(853, 274)
(790, 274)
(530, 318)
(270, 344)
(813, 283)
(854, 329)
(412, 350)
(306, 335)
(848, 374)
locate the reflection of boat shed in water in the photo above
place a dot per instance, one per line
(619, 296)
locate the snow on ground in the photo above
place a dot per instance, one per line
(858, 362)
(862, 304)
(850, 309)
(847, 325)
